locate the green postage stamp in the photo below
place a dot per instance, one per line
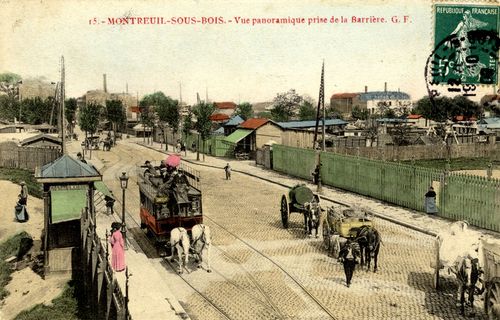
(466, 45)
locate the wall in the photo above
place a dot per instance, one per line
(395, 153)
(267, 132)
(13, 156)
(298, 138)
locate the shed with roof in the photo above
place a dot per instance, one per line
(254, 133)
(42, 141)
(68, 187)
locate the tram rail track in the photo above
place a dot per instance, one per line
(207, 299)
(147, 247)
(267, 303)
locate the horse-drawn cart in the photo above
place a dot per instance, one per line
(341, 224)
(298, 195)
(491, 277)
(475, 262)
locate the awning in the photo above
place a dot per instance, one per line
(67, 204)
(238, 135)
(101, 187)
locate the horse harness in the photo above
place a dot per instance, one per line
(203, 239)
(182, 232)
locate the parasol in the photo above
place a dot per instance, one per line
(173, 160)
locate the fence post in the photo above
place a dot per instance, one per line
(126, 292)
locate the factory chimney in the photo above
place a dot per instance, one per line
(385, 86)
(366, 89)
(105, 88)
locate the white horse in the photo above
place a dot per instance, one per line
(201, 243)
(461, 252)
(179, 240)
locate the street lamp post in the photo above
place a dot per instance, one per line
(123, 184)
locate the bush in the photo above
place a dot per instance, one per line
(18, 175)
(64, 307)
(8, 248)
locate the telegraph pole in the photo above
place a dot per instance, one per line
(62, 96)
(321, 103)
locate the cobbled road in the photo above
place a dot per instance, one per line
(248, 286)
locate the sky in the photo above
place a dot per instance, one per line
(230, 61)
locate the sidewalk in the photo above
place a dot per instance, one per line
(431, 225)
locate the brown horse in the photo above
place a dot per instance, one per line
(312, 218)
(369, 240)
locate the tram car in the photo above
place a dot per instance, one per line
(170, 197)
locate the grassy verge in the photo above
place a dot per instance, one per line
(18, 175)
(8, 248)
(64, 307)
(457, 164)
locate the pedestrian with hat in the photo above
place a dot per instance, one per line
(117, 247)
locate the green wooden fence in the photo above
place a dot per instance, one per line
(214, 146)
(460, 197)
(294, 161)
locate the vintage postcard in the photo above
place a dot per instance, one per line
(237, 159)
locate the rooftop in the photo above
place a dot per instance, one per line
(225, 105)
(253, 123)
(66, 169)
(311, 123)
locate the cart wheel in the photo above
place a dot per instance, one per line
(326, 236)
(492, 300)
(284, 212)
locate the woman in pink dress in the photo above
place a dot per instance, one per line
(117, 248)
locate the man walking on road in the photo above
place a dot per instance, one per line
(349, 255)
(110, 202)
(227, 169)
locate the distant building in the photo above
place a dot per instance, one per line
(100, 96)
(223, 111)
(371, 101)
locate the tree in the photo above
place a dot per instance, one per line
(401, 134)
(89, 119)
(188, 124)
(9, 108)
(166, 108)
(334, 113)
(34, 110)
(10, 78)
(9, 103)
(70, 113)
(203, 125)
(441, 109)
(307, 111)
(244, 110)
(285, 105)
(358, 114)
(115, 114)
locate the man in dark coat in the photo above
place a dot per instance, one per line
(349, 256)
(110, 202)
